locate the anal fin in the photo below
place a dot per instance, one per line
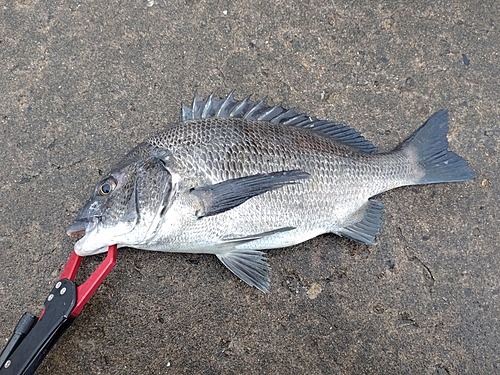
(366, 230)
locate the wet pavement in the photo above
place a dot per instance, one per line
(82, 82)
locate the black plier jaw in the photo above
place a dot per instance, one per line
(33, 337)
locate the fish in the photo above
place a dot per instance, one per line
(236, 177)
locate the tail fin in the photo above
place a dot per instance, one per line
(431, 147)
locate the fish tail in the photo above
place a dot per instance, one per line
(428, 146)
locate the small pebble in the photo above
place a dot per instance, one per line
(466, 60)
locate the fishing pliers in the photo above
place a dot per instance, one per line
(33, 336)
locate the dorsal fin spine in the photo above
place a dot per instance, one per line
(226, 105)
(280, 119)
(271, 113)
(260, 105)
(195, 106)
(207, 107)
(185, 113)
(239, 108)
(297, 119)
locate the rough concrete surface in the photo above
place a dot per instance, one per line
(82, 82)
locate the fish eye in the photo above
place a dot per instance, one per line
(107, 187)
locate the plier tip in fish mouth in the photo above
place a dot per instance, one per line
(33, 336)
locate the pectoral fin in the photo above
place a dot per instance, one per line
(228, 194)
(237, 240)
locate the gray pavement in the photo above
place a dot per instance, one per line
(82, 82)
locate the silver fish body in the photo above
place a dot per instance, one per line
(235, 177)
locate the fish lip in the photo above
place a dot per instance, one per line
(82, 226)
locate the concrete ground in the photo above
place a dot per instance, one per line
(82, 82)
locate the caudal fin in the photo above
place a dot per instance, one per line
(431, 147)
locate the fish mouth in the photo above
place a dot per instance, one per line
(85, 229)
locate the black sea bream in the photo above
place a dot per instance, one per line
(232, 178)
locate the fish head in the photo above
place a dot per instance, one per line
(126, 205)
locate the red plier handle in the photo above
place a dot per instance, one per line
(85, 291)
(33, 337)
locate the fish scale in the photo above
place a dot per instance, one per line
(235, 177)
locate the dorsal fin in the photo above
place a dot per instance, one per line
(229, 107)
